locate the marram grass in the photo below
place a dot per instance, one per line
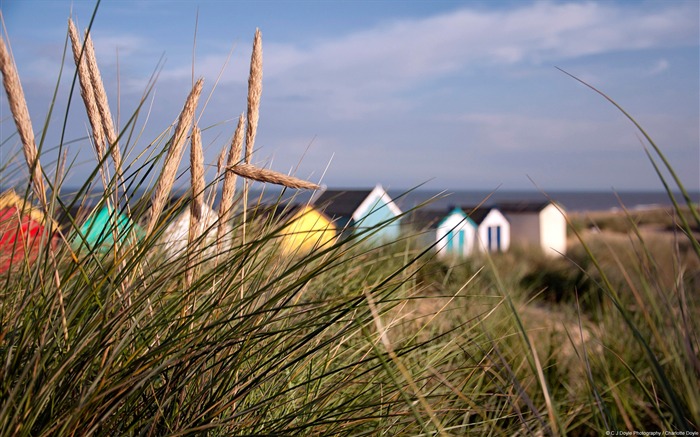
(236, 339)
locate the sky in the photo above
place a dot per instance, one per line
(455, 95)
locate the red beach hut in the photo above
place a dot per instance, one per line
(21, 228)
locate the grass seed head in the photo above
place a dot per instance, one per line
(20, 113)
(254, 93)
(174, 155)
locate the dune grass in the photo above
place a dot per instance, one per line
(349, 339)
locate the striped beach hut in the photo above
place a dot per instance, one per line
(456, 233)
(453, 233)
(21, 229)
(493, 228)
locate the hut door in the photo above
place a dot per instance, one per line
(494, 238)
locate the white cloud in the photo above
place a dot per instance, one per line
(504, 132)
(658, 68)
(367, 72)
(360, 72)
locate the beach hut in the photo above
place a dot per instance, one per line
(369, 213)
(456, 233)
(102, 226)
(493, 228)
(453, 233)
(538, 224)
(305, 229)
(176, 234)
(21, 229)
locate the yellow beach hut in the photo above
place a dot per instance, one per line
(306, 228)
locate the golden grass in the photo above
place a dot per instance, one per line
(229, 188)
(20, 113)
(102, 104)
(270, 176)
(196, 206)
(254, 93)
(23, 122)
(87, 93)
(174, 156)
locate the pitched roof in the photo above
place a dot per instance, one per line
(522, 206)
(423, 218)
(341, 203)
(302, 208)
(478, 214)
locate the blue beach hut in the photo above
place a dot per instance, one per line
(368, 213)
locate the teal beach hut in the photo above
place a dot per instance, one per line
(102, 226)
(452, 232)
(456, 234)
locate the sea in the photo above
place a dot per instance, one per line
(571, 201)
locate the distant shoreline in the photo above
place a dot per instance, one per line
(573, 201)
(570, 200)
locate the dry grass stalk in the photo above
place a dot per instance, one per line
(102, 104)
(98, 114)
(254, 93)
(220, 163)
(229, 188)
(270, 176)
(174, 156)
(86, 91)
(196, 206)
(20, 113)
(197, 174)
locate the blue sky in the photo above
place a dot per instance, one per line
(459, 94)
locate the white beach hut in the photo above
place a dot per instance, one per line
(493, 228)
(541, 224)
(175, 236)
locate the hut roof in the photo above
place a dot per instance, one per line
(341, 203)
(478, 214)
(423, 218)
(522, 207)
